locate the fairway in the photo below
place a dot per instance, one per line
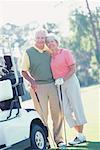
(91, 102)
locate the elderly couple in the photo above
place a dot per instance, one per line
(43, 68)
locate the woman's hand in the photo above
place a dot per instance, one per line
(59, 81)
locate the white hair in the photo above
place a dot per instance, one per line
(52, 36)
(40, 29)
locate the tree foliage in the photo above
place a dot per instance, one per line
(82, 42)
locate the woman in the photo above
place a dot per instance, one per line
(63, 66)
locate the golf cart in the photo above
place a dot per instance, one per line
(16, 124)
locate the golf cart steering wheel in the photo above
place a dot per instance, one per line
(3, 71)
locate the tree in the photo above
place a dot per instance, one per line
(51, 28)
(82, 42)
(95, 35)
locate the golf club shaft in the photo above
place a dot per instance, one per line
(62, 107)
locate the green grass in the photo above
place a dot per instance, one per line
(91, 102)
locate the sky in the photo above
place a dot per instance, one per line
(22, 12)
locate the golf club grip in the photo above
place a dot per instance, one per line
(61, 93)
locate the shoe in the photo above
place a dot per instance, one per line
(62, 146)
(77, 140)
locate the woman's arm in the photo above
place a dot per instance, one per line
(72, 70)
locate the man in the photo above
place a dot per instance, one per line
(36, 70)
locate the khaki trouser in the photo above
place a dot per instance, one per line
(48, 93)
(72, 102)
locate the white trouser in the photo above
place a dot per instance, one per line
(72, 102)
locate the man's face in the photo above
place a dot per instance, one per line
(40, 37)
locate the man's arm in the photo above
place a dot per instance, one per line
(31, 80)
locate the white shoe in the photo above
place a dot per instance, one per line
(77, 140)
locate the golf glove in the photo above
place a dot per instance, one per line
(59, 81)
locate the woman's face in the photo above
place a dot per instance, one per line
(52, 44)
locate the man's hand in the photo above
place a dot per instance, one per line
(30, 80)
(33, 85)
(59, 81)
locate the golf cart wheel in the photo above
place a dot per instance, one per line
(38, 138)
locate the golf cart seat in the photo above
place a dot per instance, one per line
(9, 94)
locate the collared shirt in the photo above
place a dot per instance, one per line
(60, 62)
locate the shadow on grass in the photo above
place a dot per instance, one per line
(93, 145)
(85, 146)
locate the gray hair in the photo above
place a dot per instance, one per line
(39, 30)
(52, 36)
